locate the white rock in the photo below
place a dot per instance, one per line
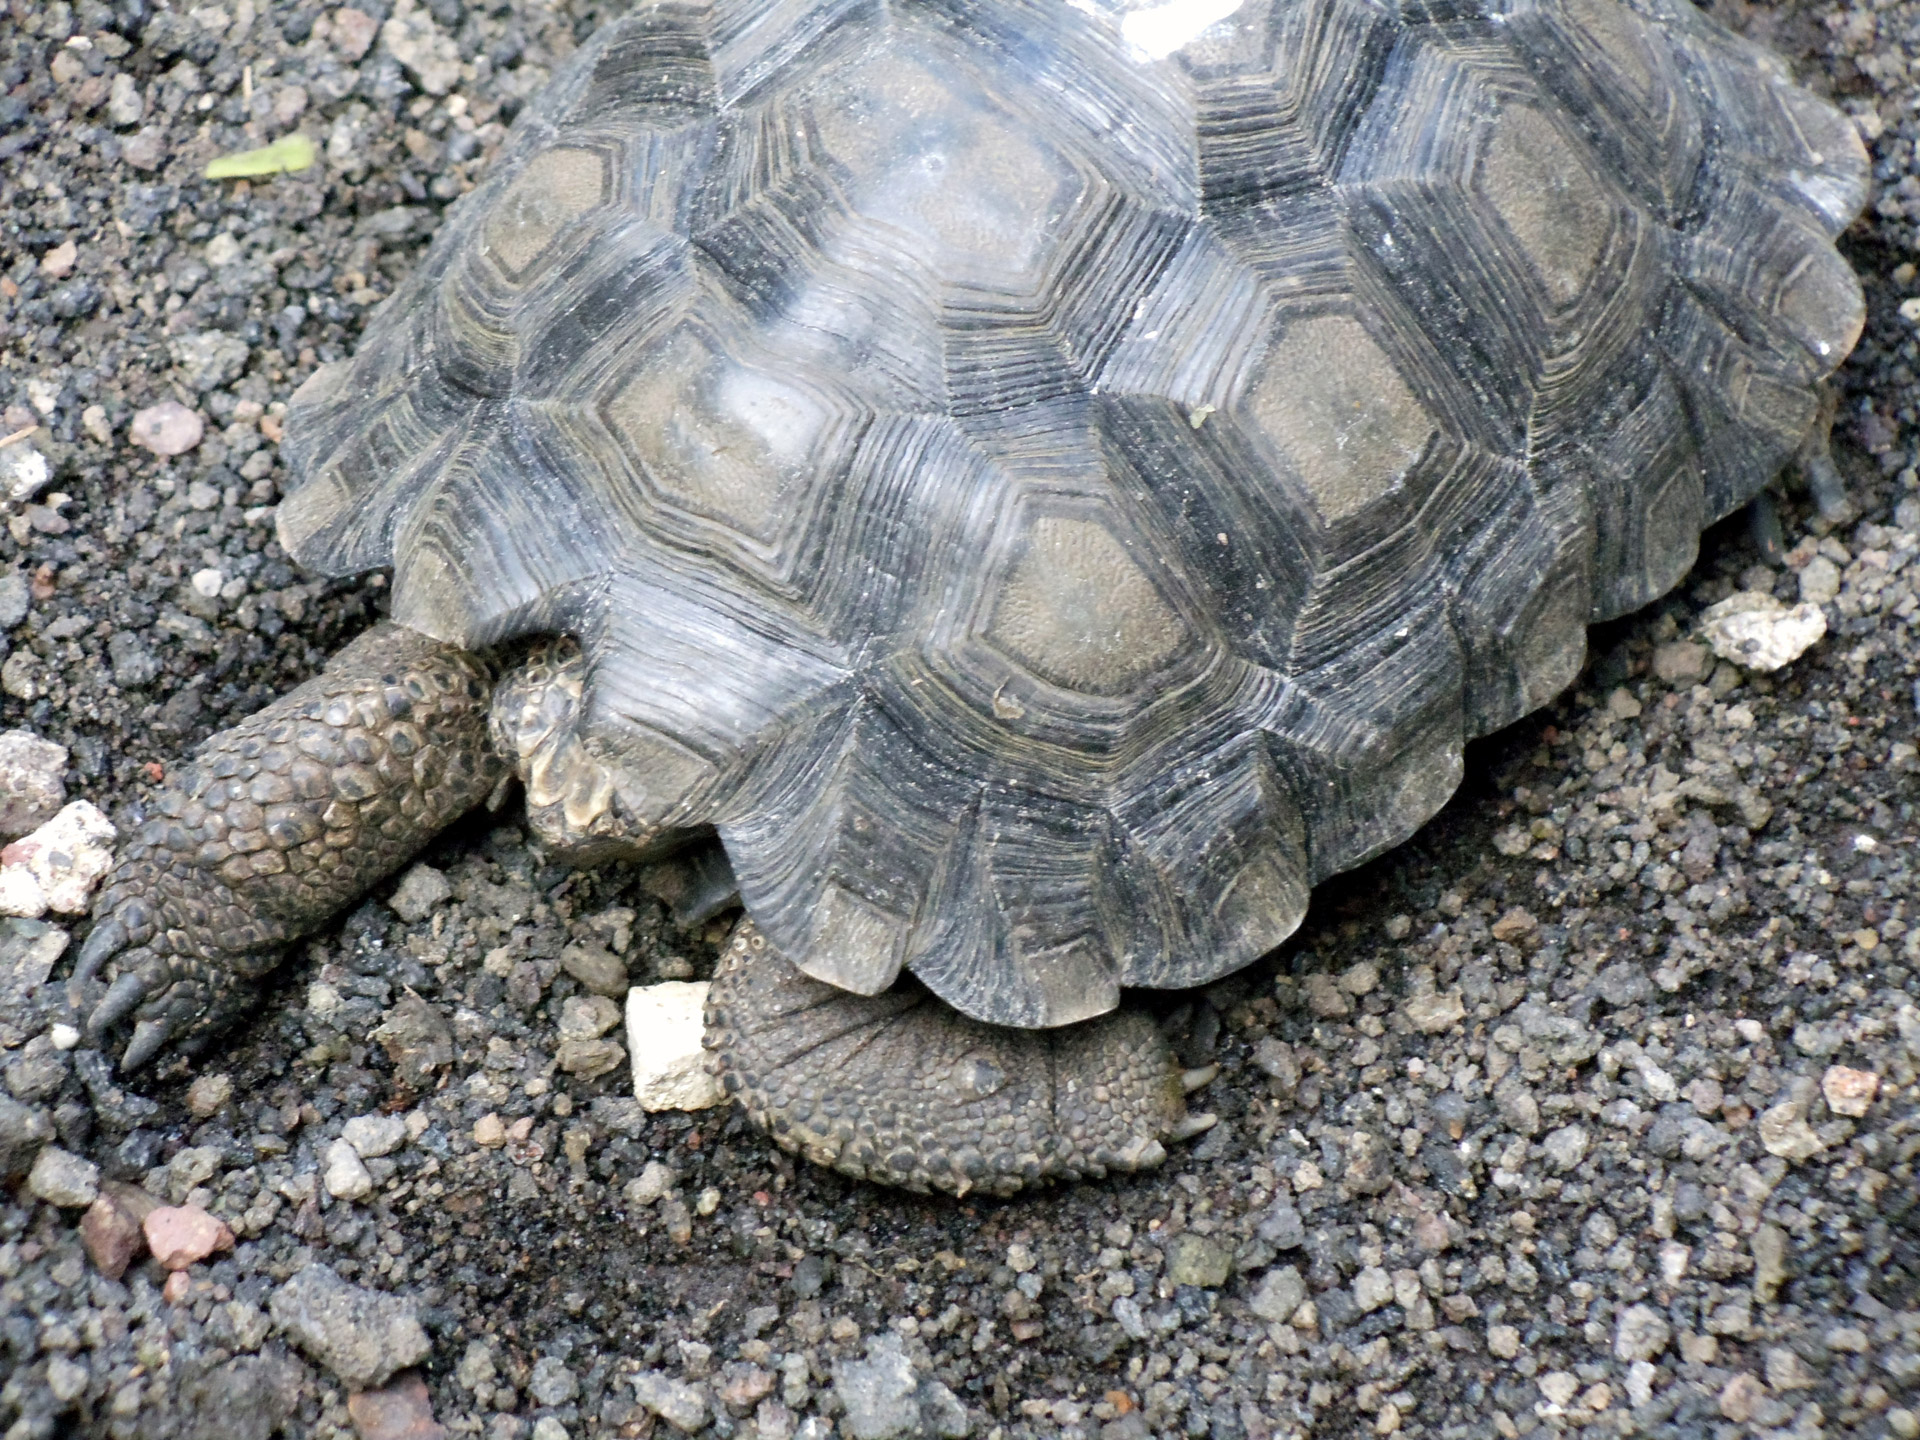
(372, 1135)
(1755, 631)
(208, 582)
(20, 893)
(64, 859)
(347, 1176)
(24, 471)
(664, 1026)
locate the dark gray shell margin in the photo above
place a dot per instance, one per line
(1046, 505)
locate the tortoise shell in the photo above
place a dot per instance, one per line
(1050, 481)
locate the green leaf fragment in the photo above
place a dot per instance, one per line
(289, 152)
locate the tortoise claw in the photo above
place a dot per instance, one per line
(1189, 1126)
(108, 939)
(148, 1037)
(1197, 1078)
(125, 996)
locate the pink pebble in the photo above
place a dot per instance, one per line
(168, 428)
(398, 1410)
(181, 1235)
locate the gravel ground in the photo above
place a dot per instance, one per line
(1593, 1108)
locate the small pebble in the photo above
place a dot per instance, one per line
(24, 471)
(208, 1095)
(1785, 1132)
(1198, 1260)
(58, 262)
(681, 1405)
(63, 1179)
(111, 1230)
(654, 1181)
(1756, 632)
(57, 866)
(362, 1336)
(597, 968)
(1433, 1012)
(399, 1410)
(166, 429)
(1559, 1387)
(32, 782)
(1770, 1271)
(347, 1177)
(1640, 1333)
(1741, 1396)
(665, 1025)
(374, 1135)
(1281, 1292)
(66, 1378)
(420, 891)
(1849, 1092)
(1682, 662)
(183, 1235)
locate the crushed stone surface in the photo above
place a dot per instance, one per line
(1591, 1109)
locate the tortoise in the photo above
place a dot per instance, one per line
(1045, 483)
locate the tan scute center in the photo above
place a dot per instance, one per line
(1333, 402)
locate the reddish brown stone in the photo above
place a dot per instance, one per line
(112, 1233)
(398, 1410)
(183, 1235)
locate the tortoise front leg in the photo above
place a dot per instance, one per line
(900, 1088)
(280, 822)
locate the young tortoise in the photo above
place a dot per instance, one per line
(1046, 482)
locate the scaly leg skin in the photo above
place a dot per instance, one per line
(574, 806)
(277, 824)
(901, 1089)
(1815, 463)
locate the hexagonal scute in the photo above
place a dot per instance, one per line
(1547, 193)
(1336, 408)
(923, 150)
(555, 188)
(737, 445)
(1079, 612)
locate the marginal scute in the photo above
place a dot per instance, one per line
(1044, 507)
(857, 945)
